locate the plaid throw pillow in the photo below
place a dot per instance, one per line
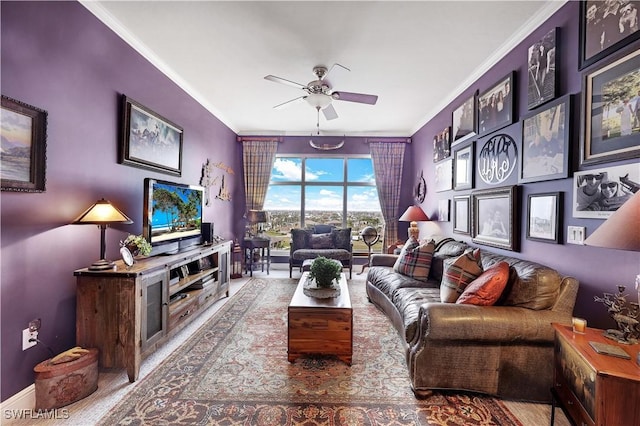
(415, 259)
(458, 273)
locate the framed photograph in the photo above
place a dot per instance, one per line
(148, 140)
(605, 27)
(464, 120)
(495, 217)
(23, 129)
(463, 168)
(543, 217)
(444, 175)
(442, 145)
(461, 210)
(496, 105)
(443, 210)
(611, 111)
(546, 138)
(542, 83)
(598, 193)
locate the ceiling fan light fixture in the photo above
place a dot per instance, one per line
(318, 100)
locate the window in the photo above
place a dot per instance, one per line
(333, 190)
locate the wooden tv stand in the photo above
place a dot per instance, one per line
(128, 312)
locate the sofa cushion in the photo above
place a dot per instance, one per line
(299, 239)
(488, 287)
(408, 302)
(337, 254)
(320, 241)
(322, 229)
(342, 238)
(388, 281)
(458, 273)
(415, 259)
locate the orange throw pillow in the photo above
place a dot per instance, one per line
(488, 287)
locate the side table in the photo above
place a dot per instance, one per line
(263, 247)
(592, 388)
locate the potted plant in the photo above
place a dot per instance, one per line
(137, 245)
(324, 271)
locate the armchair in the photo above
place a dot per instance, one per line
(321, 240)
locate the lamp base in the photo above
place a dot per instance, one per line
(413, 231)
(101, 265)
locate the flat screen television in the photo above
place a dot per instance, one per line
(172, 215)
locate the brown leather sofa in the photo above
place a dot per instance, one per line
(504, 350)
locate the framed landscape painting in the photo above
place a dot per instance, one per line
(542, 83)
(605, 27)
(546, 141)
(611, 111)
(24, 142)
(464, 120)
(496, 105)
(495, 217)
(148, 140)
(543, 216)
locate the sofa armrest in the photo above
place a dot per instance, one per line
(379, 259)
(450, 321)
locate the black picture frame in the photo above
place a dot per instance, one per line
(464, 120)
(604, 135)
(598, 193)
(23, 160)
(542, 83)
(463, 171)
(544, 211)
(596, 42)
(494, 114)
(546, 142)
(462, 214)
(495, 218)
(444, 175)
(442, 145)
(149, 140)
(443, 210)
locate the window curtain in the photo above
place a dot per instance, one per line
(388, 159)
(257, 158)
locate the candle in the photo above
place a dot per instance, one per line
(579, 325)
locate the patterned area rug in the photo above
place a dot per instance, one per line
(234, 371)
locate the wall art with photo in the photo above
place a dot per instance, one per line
(598, 193)
(543, 217)
(443, 210)
(463, 167)
(542, 83)
(444, 175)
(461, 214)
(465, 120)
(496, 105)
(495, 217)
(546, 138)
(611, 111)
(442, 145)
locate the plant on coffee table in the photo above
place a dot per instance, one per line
(324, 271)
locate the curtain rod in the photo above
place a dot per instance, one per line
(259, 139)
(392, 140)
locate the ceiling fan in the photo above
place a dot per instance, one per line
(319, 93)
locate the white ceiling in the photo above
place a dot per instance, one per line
(416, 56)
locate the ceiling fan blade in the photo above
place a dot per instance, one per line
(285, 81)
(329, 112)
(284, 104)
(355, 97)
(332, 68)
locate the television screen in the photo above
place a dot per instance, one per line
(172, 212)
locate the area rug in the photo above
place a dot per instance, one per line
(234, 371)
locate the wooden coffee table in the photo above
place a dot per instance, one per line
(320, 326)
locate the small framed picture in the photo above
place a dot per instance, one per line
(444, 175)
(463, 168)
(148, 140)
(600, 192)
(443, 210)
(546, 141)
(461, 210)
(605, 27)
(495, 217)
(542, 80)
(442, 145)
(543, 217)
(465, 120)
(496, 105)
(24, 143)
(611, 115)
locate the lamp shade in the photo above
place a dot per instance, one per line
(102, 212)
(257, 216)
(621, 230)
(414, 214)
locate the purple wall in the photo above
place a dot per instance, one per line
(597, 269)
(59, 57)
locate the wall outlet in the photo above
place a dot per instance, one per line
(27, 334)
(575, 234)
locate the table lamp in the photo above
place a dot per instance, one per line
(102, 213)
(414, 214)
(621, 231)
(257, 218)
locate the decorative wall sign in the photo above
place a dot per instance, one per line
(24, 142)
(497, 159)
(421, 189)
(442, 145)
(207, 181)
(542, 85)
